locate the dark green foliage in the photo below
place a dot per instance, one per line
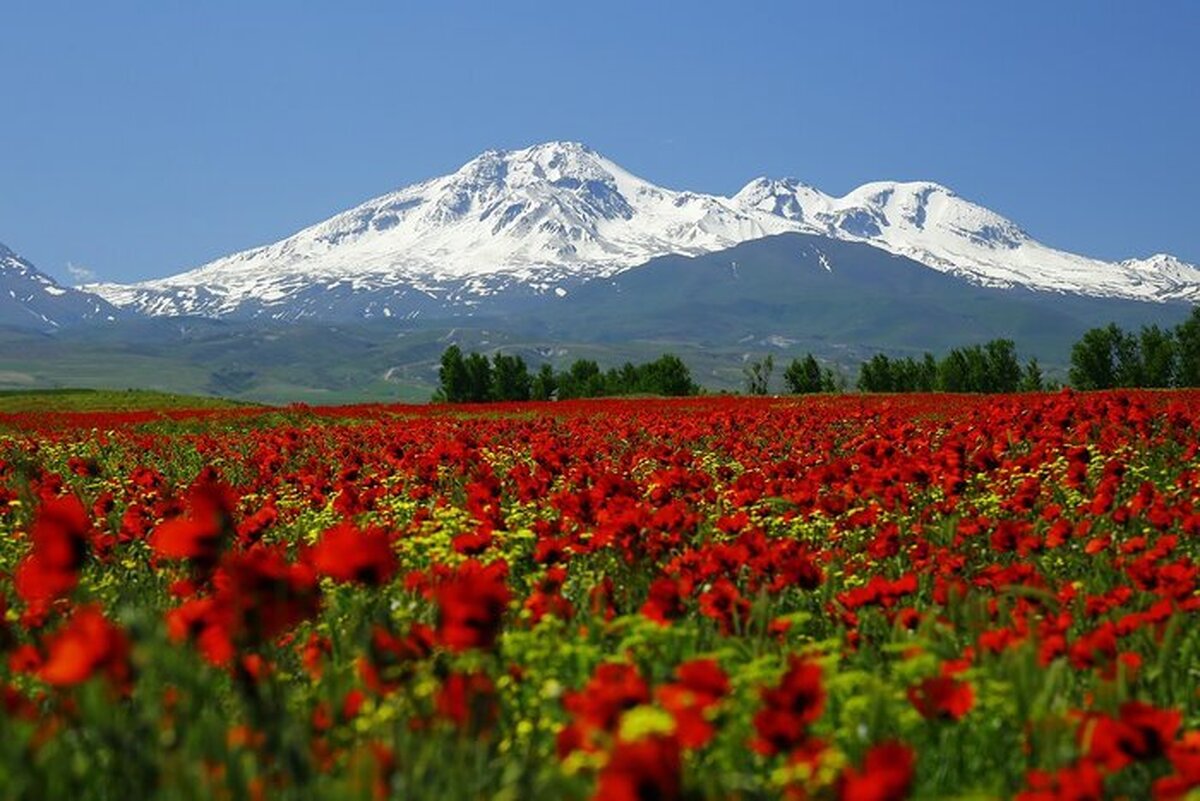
(758, 375)
(1094, 359)
(667, 375)
(991, 367)
(453, 382)
(806, 376)
(506, 378)
(510, 378)
(1187, 342)
(582, 379)
(1032, 379)
(882, 374)
(545, 384)
(1158, 356)
(1112, 357)
(463, 380)
(479, 378)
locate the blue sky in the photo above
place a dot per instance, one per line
(139, 139)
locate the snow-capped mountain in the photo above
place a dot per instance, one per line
(932, 225)
(31, 299)
(538, 222)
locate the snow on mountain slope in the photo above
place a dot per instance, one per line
(541, 218)
(31, 299)
(932, 225)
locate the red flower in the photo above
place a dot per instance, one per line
(665, 602)
(1185, 758)
(886, 775)
(59, 547)
(89, 644)
(724, 604)
(1080, 782)
(613, 689)
(256, 596)
(469, 701)
(942, 697)
(471, 604)
(1142, 732)
(200, 534)
(789, 708)
(644, 770)
(346, 553)
(702, 684)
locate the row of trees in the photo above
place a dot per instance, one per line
(1153, 357)
(990, 367)
(801, 377)
(473, 378)
(1103, 358)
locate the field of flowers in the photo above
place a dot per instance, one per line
(839, 597)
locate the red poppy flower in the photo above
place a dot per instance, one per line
(200, 534)
(886, 775)
(1141, 732)
(644, 770)
(613, 689)
(471, 604)
(89, 644)
(942, 697)
(59, 536)
(1079, 782)
(701, 685)
(469, 701)
(346, 553)
(665, 601)
(789, 708)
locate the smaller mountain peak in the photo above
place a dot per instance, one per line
(766, 186)
(1159, 261)
(5, 252)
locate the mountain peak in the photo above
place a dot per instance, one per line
(552, 215)
(31, 299)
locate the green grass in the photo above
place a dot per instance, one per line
(96, 400)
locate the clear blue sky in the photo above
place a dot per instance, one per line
(139, 139)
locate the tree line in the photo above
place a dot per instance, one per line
(1153, 357)
(1103, 358)
(473, 378)
(991, 367)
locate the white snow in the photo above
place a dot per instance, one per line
(560, 212)
(932, 225)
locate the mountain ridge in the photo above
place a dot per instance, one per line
(30, 298)
(538, 222)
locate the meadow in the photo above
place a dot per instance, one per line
(835, 597)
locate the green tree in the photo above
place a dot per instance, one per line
(1130, 370)
(954, 372)
(877, 375)
(1094, 358)
(582, 379)
(1032, 379)
(510, 378)
(758, 375)
(479, 378)
(1159, 357)
(1187, 343)
(804, 376)
(544, 385)
(453, 382)
(668, 375)
(1003, 372)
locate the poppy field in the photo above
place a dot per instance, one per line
(837, 597)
